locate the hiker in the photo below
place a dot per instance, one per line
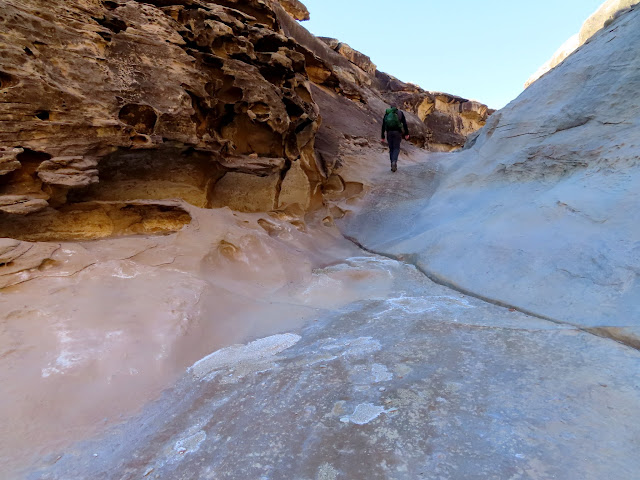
(394, 122)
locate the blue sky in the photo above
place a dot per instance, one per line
(478, 49)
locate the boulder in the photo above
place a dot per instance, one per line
(539, 212)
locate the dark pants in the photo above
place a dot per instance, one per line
(394, 138)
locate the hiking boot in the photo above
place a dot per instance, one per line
(394, 167)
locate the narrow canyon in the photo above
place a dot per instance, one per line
(207, 270)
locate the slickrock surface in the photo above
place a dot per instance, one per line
(600, 19)
(413, 381)
(540, 212)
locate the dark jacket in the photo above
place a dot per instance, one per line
(402, 119)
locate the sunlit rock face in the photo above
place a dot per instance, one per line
(541, 209)
(147, 333)
(296, 9)
(152, 100)
(600, 19)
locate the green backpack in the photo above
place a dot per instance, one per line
(392, 120)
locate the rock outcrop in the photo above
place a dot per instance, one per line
(296, 9)
(129, 98)
(191, 342)
(359, 59)
(446, 121)
(600, 19)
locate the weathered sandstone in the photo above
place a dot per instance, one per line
(142, 337)
(296, 9)
(196, 84)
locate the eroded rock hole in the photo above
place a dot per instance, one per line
(28, 51)
(207, 117)
(268, 44)
(111, 5)
(142, 118)
(165, 174)
(105, 36)
(304, 94)
(229, 115)
(42, 115)
(112, 23)
(293, 109)
(303, 124)
(229, 93)
(24, 180)
(7, 81)
(94, 220)
(276, 74)
(32, 156)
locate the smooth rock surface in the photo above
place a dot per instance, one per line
(540, 212)
(472, 391)
(145, 333)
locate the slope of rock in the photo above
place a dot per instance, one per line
(540, 212)
(413, 381)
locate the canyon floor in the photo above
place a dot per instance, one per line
(251, 347)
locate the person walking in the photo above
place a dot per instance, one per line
(394, 123)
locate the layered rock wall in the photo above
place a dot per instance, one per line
(437, 121)
(127, 100)
(445, 121)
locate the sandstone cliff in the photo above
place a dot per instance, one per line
(145, 101)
